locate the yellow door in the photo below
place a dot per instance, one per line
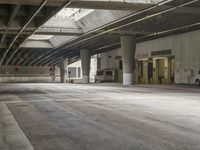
(161, 71)
(171, 70)
(140, 72)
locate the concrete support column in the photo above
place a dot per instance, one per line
(98, 62)
(85, 63)
(128, 46)
(63, 68)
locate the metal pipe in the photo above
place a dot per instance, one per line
(133, 22)
(171, 30)
(23, 28)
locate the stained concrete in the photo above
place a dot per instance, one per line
(99, 117)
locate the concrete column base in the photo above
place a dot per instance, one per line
(85, 79)
(127, 78)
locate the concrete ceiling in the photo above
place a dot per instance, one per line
(154, 21)
(19, 21)
(160, 21)
(89, 4)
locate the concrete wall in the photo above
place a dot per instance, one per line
(111, 60)
(185, 47)
(93, 68)
(41, 74)
(27, 74)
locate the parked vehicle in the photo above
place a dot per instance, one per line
(198, 79)
(106, 75)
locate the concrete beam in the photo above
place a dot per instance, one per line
(42, 22)
(46, 31)
(88, 4)
(12, 17)
(85, 63)
(109, 5)
(60, 31)
(34, 2)
(73, 32)
(35, 12)
(182, 10)
(37, 44)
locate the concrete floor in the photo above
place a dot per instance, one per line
(98, 117)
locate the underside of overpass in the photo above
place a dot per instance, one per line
(53, 53)
(95, 25)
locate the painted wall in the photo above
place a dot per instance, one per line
(185, 47)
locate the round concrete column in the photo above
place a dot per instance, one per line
(85, 63)
(128, 46)
(63, 68)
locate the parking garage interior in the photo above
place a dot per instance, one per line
(99, 75)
